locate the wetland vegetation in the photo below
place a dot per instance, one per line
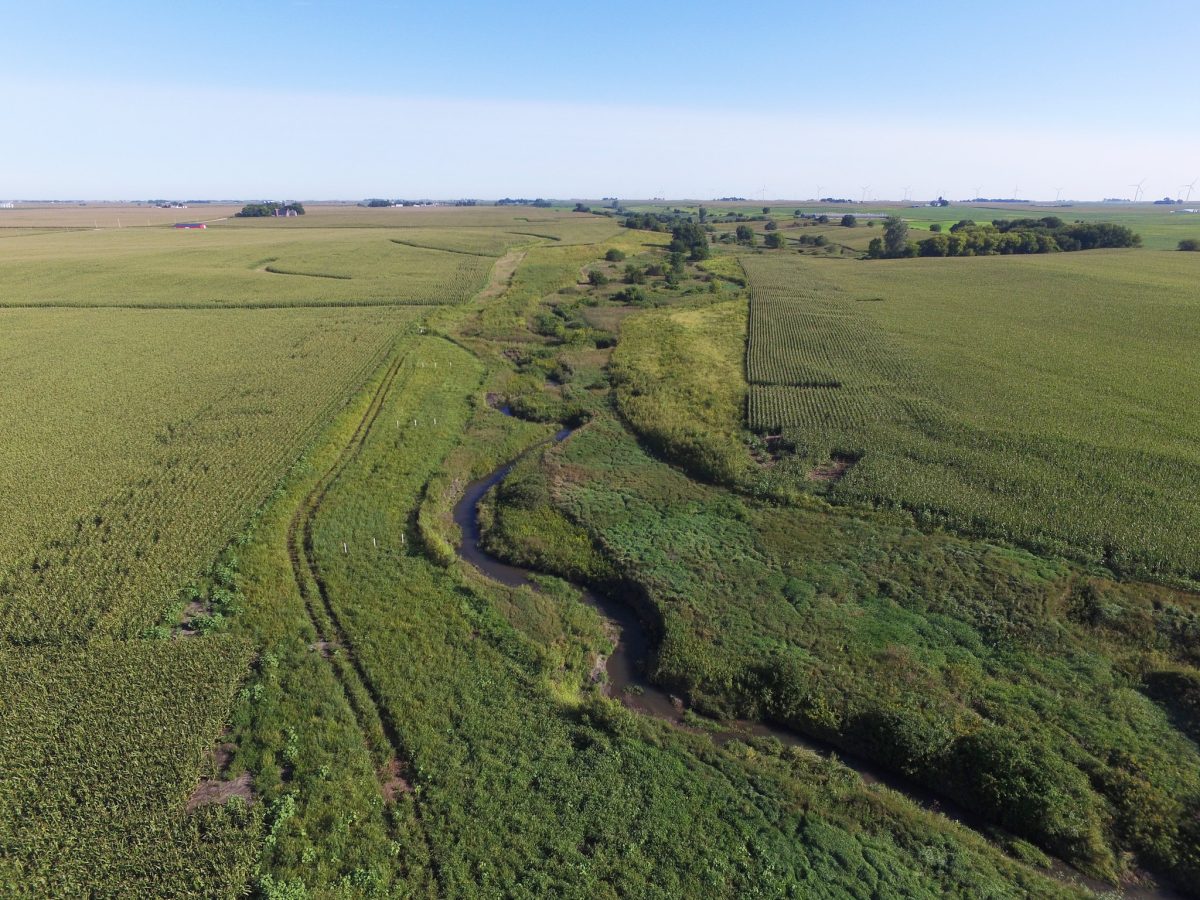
(922, 513)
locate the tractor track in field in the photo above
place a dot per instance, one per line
(380, 732)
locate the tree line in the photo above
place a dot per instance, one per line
(255, 210)
(1002, 236)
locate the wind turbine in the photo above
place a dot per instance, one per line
(978, 191)
(907, 191)
(866, 187)
(1057, 194)
(1137, 190)
(1189, 187)
(1016, 191)
(818, 197)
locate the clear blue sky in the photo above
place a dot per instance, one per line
(320, 99)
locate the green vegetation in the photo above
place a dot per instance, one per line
(1010, 413)
(258, 210)
(233, 266)
(999, 687)
(102, 746)
(141, 441)
(695, 419)
(249, 656)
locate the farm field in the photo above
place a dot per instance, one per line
(139, 441)
(236, 599)
(996, 396)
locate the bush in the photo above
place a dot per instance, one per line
(936, 227)
(597, 278)
(849, 221)
(774, 241)
(615, 255)
(1191, 244)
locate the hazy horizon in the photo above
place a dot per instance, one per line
(473, 100)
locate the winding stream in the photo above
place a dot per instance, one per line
(628, 682)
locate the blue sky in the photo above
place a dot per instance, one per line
(316, 99)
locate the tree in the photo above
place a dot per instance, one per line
(775, 241)
(745, 235)
(703, 214)
(258, 210)
(766, 210)
(875, 248)
(634, 274)
(1190, 244)
(614, 255)
(772, 225)
(597, 278)
(938, 245)
(935, 227)
(691, 238)
(849, 221)
(895, 236)
(822, 219)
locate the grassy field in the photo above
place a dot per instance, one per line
(971, 668)
(139, 445)
(835, 623)
(996, 396)
(231, 574)
(854, 360)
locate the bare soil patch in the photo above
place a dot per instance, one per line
(392, 781)
(216, 791)
(834, 470)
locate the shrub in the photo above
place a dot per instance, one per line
(615, 255)
(849, 221)
(1191, 244)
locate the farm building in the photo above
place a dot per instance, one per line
(285, 212)
(191, 225)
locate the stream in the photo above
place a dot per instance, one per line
(628, 682)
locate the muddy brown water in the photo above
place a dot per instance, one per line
(628, 682)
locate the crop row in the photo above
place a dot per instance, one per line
(102, 747)
(178, 494)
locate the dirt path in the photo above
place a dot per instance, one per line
(379, 730)
(502, 273)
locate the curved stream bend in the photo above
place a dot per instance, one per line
(627, 681)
